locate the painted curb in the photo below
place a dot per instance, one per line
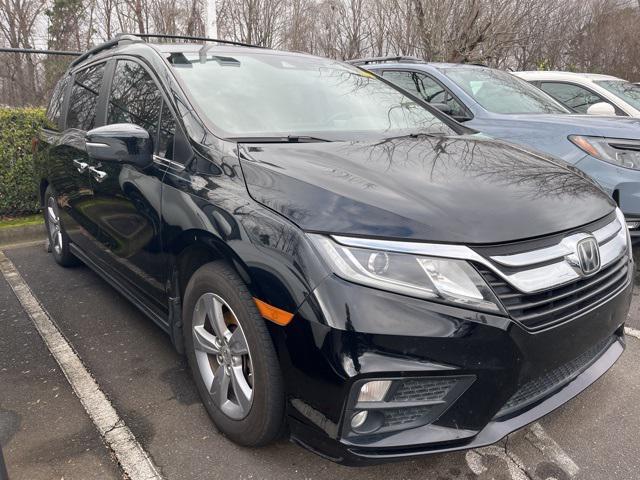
(22, 233)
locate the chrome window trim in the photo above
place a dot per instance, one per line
(536, 273)
(168, 163)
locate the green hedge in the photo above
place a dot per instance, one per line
(18, 185)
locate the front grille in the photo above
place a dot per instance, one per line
(421, 390)
(402, 416)
(555, 305)
(540, 387)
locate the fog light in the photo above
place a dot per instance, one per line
(374, 391)
(358, 419)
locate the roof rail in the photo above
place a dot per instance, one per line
(121, 38)
(39, 51)
(189, 37)
(105, 46)
(366, 61)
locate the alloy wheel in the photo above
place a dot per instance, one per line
(53, 223)
(223, 357)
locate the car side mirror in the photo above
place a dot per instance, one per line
(122, 143)
(602, 108)
(443, 107)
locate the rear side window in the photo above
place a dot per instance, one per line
(54, 112)
(573, 96)
(135, 97)
(84, 97)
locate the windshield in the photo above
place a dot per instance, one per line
(269, 95)
(501, 92)
(627, 91)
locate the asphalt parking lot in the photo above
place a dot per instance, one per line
(46, 433)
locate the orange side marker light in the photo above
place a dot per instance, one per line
(273, 314)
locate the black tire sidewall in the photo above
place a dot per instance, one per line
(264, 421)
(65, 257)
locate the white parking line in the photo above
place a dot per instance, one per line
(481, 461)
(135, 462)
(476, 462)
(632, 332)
(548, 446)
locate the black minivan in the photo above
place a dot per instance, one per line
(339, 262)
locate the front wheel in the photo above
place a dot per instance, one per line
(58, 238)
(232, 357)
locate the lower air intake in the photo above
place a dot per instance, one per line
(542, 386)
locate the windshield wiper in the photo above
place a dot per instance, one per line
(418, 135)
(285, 139)
(426, 134)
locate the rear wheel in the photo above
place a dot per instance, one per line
(58, 238)
(232, 357)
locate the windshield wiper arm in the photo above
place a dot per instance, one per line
(426, 134)
(418, 135)
(305, 139)
(285, 139)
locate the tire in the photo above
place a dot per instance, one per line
(215, 291)
(58, 238)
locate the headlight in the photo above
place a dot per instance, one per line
(440, 279)
(618, 151)
(623, 222)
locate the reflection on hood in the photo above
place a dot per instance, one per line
(464, 189)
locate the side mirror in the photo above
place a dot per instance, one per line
(443, 107)
(602, 108)
(122, 143)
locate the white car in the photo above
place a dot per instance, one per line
(589, 93)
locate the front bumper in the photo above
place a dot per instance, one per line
(345, 333)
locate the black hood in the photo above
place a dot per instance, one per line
(460, 189)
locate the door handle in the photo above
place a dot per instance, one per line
(80, 165)
(99, 175)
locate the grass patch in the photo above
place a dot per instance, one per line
(6, 222)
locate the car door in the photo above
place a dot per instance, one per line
(428, 89)
(576, 97)
(129, 197)
(69, 162)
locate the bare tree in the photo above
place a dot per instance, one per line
(591, 35)
(17, 25)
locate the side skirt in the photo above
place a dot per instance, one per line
(111, 280)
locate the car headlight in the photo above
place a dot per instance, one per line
(623, 222)
(440, 279)
(619, 151)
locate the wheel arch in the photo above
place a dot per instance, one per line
(44, 183)
(195, 248)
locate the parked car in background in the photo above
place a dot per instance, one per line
(331, 254)
(504, 106)
(588, 93)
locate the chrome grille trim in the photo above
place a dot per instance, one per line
(606, 233)
(565, 269)
(556, 305)
(533, 257)
(560, 250)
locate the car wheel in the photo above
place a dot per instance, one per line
(58, 238)
(232, 357)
